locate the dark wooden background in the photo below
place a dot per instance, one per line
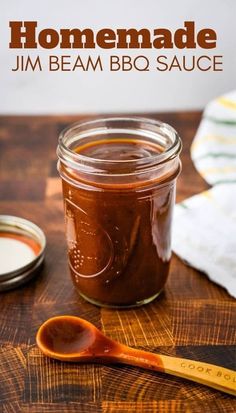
(193, 318)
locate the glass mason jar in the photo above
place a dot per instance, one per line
(119, 177)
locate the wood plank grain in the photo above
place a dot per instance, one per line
(204, 322)
(12, 373)
(169, 406)
(49, 381)
(148, 326)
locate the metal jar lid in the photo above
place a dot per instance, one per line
(22, 248)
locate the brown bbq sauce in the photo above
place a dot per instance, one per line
(119, 238)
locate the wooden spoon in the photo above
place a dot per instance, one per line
(70, 338)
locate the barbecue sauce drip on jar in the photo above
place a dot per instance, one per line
(118, 177)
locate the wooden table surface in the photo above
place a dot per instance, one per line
(193, 318)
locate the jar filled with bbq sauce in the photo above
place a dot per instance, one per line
(119, 177)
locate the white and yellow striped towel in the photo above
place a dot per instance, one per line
(204, 227)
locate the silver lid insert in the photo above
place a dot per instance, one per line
(22, 248)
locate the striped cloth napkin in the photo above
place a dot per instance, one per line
(204, 227)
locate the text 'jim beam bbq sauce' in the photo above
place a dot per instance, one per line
(119, 177)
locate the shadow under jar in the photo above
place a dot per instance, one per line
(119, 177)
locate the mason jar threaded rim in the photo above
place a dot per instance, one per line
(148, 128)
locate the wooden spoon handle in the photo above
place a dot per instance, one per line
(210, 375)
